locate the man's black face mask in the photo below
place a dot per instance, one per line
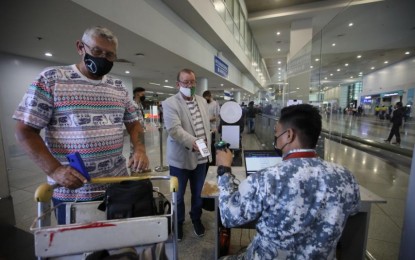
(97, 66)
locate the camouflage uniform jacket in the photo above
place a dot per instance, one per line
(301, 206)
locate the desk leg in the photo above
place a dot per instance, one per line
(216, 232)
(352, 243)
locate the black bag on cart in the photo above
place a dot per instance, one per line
(129, 199)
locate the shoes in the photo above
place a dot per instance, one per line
(386, 141)
(397, 143)
(198, 228)
(179, 232)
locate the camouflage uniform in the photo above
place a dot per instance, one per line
(301, 206)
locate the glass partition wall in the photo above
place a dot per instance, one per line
(358, 66)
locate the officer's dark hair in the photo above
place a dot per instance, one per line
(305, 120)
(399, 104)
(138, 89)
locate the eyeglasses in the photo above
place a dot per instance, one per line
(188, 82)
(97, 52)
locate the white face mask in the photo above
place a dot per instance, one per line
(186, 91)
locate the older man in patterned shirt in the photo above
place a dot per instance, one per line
(82, 109)
(300, 205)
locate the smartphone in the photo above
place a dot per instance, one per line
(204, 151)
(76, 162)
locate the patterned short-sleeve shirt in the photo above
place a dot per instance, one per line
(301, 206)
(83, 115)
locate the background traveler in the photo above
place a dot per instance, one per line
(139, 98)
(82, 110)
(186, 120)
(300, 205)
(214, 117)
(396, 119)
(250, 117)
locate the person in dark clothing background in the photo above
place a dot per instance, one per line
(250, 117)
(396, 119)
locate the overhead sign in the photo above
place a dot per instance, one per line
(221, 68)
(397, 93)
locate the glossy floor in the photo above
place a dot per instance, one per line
(372, 172)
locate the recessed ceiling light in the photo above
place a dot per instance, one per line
(166, 80)
(372, 68)
(333, 44)
(338, 69)
(278, 49)
(279, 62)
(386, 62)
(167, 86)
(346, 64)
(221, 85)
(278, 33)
(317, 59)
(127, 72)
(359, 56)
(351, 77)
(311, 67)
(350, 24)
(360, 73)
(407, 53)
(152, 83)
(279, 68)
(48, 54)
(325, 77)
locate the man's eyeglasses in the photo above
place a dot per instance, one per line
(188, 82)
(97, 52)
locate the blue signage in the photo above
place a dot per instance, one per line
(221, 68)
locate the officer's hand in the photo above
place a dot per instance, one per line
(224, 157)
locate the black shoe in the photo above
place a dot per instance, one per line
(386, 141)
(198, 228)
(179, 232)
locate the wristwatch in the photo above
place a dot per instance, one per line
(223, 169)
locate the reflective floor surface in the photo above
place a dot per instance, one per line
(374, 173)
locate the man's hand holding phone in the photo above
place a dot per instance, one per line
(202, 147)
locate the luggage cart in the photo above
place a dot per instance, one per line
(89, 230)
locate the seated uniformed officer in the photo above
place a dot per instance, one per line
(300, 205)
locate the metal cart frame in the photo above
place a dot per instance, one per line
(92, 232)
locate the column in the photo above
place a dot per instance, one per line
(237, 96)
(299, 61)
(6, 201)
(202, 86)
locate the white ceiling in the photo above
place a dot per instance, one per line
(382, 30)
